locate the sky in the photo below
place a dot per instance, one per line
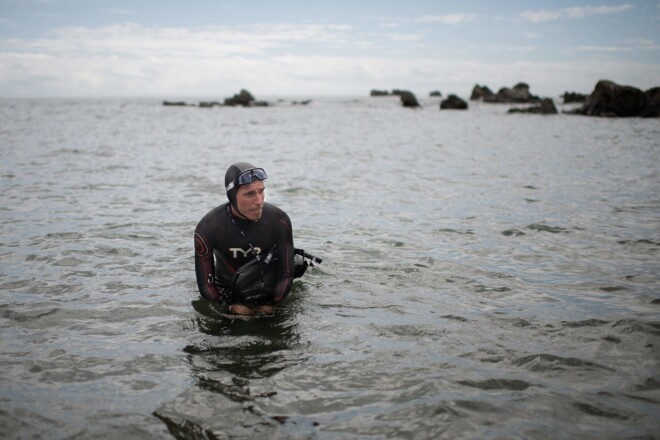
(214, 48)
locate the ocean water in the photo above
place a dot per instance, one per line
(485, 275)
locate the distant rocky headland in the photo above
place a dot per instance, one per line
(242, 99)
(607, 100)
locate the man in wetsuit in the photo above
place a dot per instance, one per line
(238, 232)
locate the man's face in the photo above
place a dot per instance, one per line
(250, 199)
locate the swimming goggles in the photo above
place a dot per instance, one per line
(247, 177)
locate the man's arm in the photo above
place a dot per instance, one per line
(285, 252)
(205, 269)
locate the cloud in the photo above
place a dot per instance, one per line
(629, 45)
(603, 49)
(531, 35)
(26, 74)
(540, 16)
(284, 59)
(645, 42)
(119, 11)
(543, 15)
(404, 37)
(133, 40)
(452, 19)
(579, 12)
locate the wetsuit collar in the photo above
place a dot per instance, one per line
(243, 221)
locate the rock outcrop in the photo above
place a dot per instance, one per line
(613, 100)
(209, 104)
(408, 99)
(518, 94)
(481, 92)
(572, 97)
(453, 102)
(546, 107)
(652, 109)
(244, 99)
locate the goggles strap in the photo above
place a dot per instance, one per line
(253, 173)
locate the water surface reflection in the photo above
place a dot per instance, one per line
(231, 364)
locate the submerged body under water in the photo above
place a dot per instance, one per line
(485, 275)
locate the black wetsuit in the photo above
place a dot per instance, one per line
(217, 236)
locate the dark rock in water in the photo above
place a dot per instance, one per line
(209, 104)
(652, 109)
(305, 102)
(614, 100)
(174, 103)
(481, 92)
(546, 107)
(408, 99)
(435, 94)
(572, 97)
(518, 94)
(379, 93)
(244, 99)
(453, 102)
(399, 92)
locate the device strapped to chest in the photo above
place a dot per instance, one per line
(253, 282)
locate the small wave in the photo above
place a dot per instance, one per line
(184, 428)
(26, 316)
(485, 355)
(294, 190)
(410, 331)
(598, 412)
(65, 235)
(484, 289)
(612, 339)
(547, 362)
(68, 262)
(643, 243)
(476, 406)
(635, 208)
(521, 323)
(614, 289)
(101, 186)
(15, 285)
(236, 391)
(632, 326)
(497, 384)
(650, 384)
(540, 227)
(456, 231)
(64, 151)
(456, 318)
(585, 323)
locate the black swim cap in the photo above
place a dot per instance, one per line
(231, 175)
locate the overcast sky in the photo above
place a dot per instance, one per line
(213, 48)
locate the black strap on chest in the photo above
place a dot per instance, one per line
(262, 260)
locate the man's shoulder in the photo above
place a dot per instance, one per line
(214, 215)
(274, 211)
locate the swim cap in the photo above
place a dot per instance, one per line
(231, 178)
